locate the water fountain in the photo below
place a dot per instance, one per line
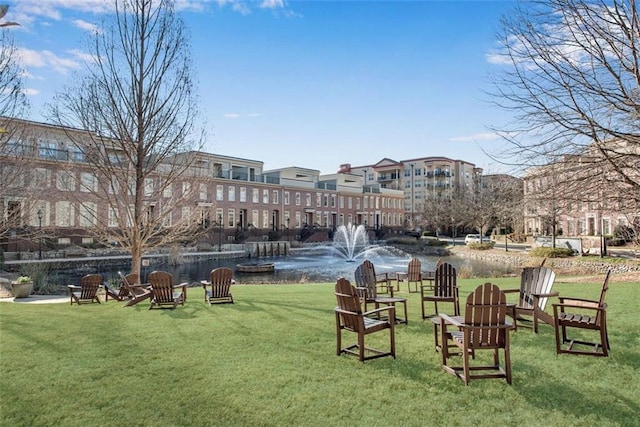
(351, 241)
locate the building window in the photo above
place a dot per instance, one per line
(256, 196)
(243, 194)
(167, 221)
(112, 220)
(148, 187)
(232, 193)
(186, 215)
(186, 189)
(231, 218)
(41, 178)
(255, 217)
(286, 198)
(265, 218)
(203, 191)
(308, 200)
(66, 181)
(219, 193)
(275, 197)
(87, 214)
(48, 150)
(168, 191)
(265, 196)
(64, 214)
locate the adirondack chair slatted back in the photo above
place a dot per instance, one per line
(89, 286)
(131, 279)
(445, 281)
(603, 294)
(349, 303)
(414, 270)
(535, 280)
(366, 282)
(162, 287)
(221, 280)
(486, 308)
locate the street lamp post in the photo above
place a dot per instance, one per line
(39, 213)
(219, 233)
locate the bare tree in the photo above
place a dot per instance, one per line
(138, 104)
(13, 104)
(573, 81)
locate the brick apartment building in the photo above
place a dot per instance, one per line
(420, 179)
(582, 195)
(48, 188)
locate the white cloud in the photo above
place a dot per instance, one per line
(84, 25)
(241, 116)
(272, 4)
(31, 92)
(48, 59)
(483, 136)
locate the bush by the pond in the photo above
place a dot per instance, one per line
(481, 246)
(552, 252)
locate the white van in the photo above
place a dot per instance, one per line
(472, 238)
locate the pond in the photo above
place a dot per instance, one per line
(305, 267)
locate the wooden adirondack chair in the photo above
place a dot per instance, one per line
(412, 275)
(535, 290)
(382, 281)
(135, 292)
(350, 317)
(220, 282)
(163, 291)
(123, 292)
(590, 315)
(87, 292)
(484, 328)
(445, 289)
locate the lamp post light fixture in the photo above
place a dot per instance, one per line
(39, 214)
(219, 232)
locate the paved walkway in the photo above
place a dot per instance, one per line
(38, 299)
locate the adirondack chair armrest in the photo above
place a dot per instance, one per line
(382, 277)
(510, 291)
(568, 300)
(445, 319)
(547, 295)
(205, 283)
(181, 285)
(391, 309)
(74, 287)
(582, 305)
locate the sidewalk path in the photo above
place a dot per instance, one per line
(38, 299)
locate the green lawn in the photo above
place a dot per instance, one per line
(269, 359)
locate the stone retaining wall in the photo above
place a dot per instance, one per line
(516, 259)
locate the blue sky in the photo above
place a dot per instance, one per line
(310, 83)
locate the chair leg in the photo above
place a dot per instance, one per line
(507, 361)
(557, 329)
(392, 340)
(465, 364)
(338, 336)
(361, 346)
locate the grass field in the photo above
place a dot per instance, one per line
(269, 359)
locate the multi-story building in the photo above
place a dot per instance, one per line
(421, 179)
(582, 195)
(54, 189)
